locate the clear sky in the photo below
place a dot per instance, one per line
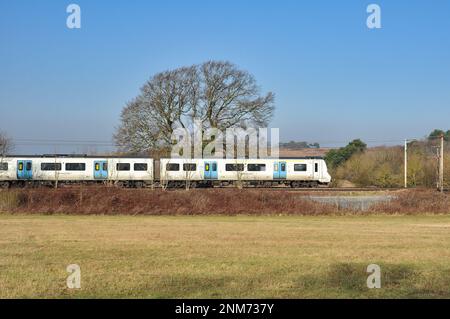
(334, 78)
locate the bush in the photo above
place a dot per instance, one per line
(335, 158)
(384, 167)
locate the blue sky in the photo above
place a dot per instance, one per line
(334, 78)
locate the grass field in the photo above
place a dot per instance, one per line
(215, 257)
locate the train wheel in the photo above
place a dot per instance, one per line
(138, 184)
(295, 184)
(120, 184)
(4, 185)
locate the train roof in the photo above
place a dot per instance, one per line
(261, 158)
(73, 156)
(145, 157)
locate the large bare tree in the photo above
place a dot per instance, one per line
(230, 97)
(165, 102)
(216, 92)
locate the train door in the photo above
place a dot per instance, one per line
(24, 170)
(100, 169)
(211, 170)
(316, 170)
(279, 170)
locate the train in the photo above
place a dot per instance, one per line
(142, 172)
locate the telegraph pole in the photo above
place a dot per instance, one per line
(406, 163)
(441, 165)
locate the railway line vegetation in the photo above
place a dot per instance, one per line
(225, 201)
(384, 166)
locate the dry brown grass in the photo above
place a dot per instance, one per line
(95, 200)
(413, 202)
(224, 256)
(106, 200)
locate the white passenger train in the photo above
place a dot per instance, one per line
(145, 172)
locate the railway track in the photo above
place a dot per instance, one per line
(273, 188)
(344, 189)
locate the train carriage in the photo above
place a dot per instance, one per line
(296, 172)
(178, 172)
(64, 169)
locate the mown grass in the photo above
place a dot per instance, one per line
(224, 257)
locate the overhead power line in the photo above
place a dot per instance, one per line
(87, 142)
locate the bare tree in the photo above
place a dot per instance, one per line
(217, 93)
(230, 97)
(6, 144)
(164, 181)
(239, 168)
(56, 171)
(189, 172)
(6, 147)
(165, 103)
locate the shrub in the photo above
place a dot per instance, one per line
(384, 167)
(335, 158)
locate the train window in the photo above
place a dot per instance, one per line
(172, 167)
(234, 167)
(28, 166)
(189, 167)
(207, 167)
(300, 167)
(256, 167)
(283, 167)
(123, 166)
(275, 167)
(316, 167)
(76, 167)
(140, 166)
(105, 166)
(3, 166)
(20, 166)
(48, 167)
(97, 166)
(214, 167)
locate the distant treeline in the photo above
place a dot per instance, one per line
(299, 145)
